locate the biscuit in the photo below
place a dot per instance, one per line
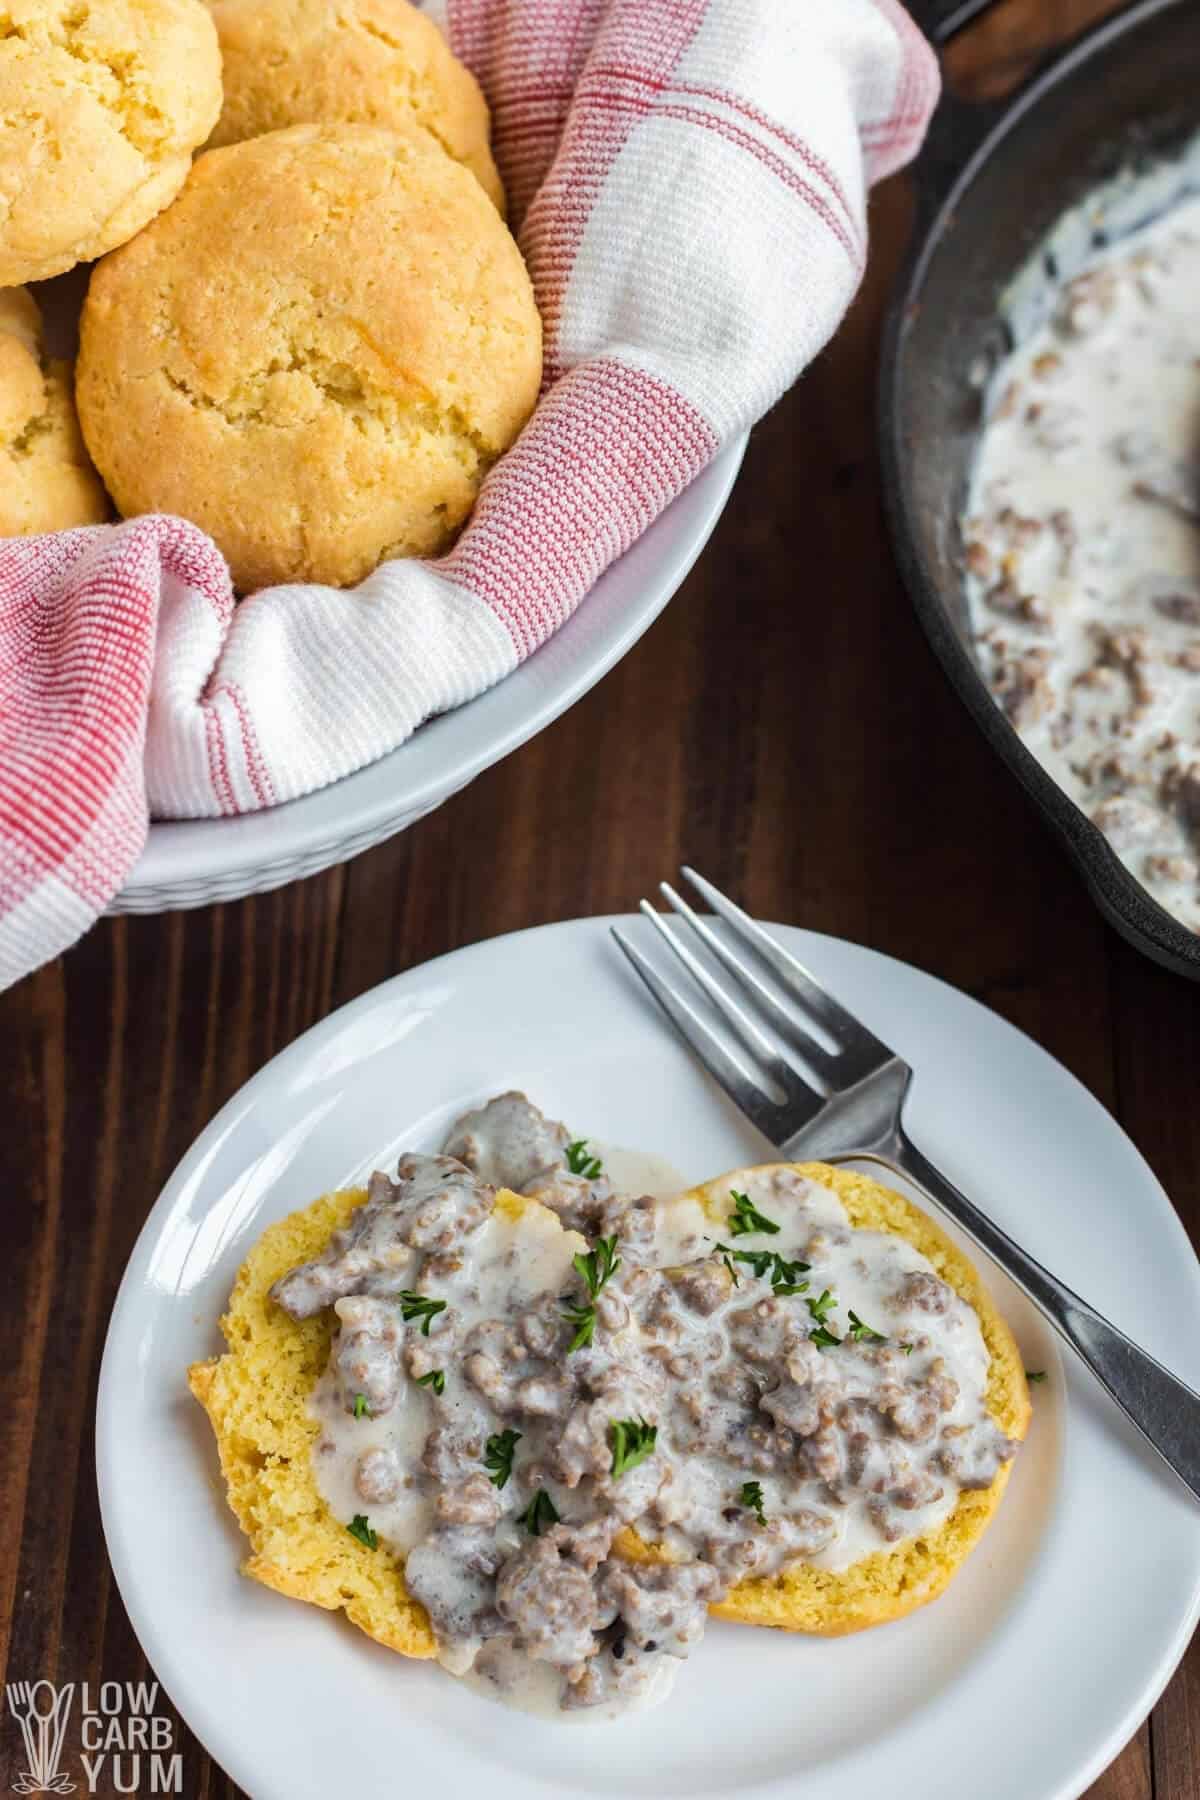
(887, 1584)
(364, 62)
(315, 354)
(256, 1398)
(102, 103)
(46, 480)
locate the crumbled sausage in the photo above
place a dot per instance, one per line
(379, 1476)
(366, 1353)
(508, 1142)
(922, 1292)
(663, 1605)
(757, 1442)
(433, 1202)
(551, 1604)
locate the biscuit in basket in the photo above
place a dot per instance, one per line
(46, 481)
(366, 62)
(315, 354)
(887, 1584)
(256, 1399)
(102, 103)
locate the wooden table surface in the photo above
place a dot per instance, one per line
(784, 727)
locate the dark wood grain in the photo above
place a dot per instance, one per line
(783, 726)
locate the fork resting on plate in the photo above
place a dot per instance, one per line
(855, 1114)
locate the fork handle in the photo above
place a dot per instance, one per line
(1165, 1410)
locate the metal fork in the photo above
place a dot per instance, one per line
(859, 1117)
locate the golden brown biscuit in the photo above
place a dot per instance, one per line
(888, 1583)
(316, 353)
(102, 103)
(256, 1399)
(363, 62)
(46, 480)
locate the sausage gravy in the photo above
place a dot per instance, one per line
(1082, 547)
(504, 1397)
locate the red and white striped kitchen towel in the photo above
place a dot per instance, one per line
(688, 178)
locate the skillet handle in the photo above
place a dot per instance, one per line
(941, 20)
(958, 127)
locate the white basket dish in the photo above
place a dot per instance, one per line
(201, 861)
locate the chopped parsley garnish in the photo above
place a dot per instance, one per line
(498, 1456)
(823, 1339)
(751, 1497)
(594, 1268)
(745, 1217)
(416, 1306)
(1035, 1375)
(633, 1441)
(360, 1407)
(358, 1528)
(759, 1260)
(782, 1272)
(783, 1277)
(863, 1334)
(539, 1514)
(907, 1348)
(580, 1163)
(436, 1379)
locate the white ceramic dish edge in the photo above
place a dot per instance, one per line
(198, 862)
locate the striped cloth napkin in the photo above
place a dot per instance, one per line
(688, 179)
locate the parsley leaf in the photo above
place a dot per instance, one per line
(436, 1379)
(783, 1276)
(819, 1308)
(594, 1268)
(863, 1334)
(580, 1163)
(1035, 1375)
(822, 1337)
(751, 1497)
(498, 1456)
(416, 1306)
(360, 1407)
(745, 1217)
(782, 1272)
(598, 1265)
(540, 1513)
(358, 1528)
(633, 1441)
(760, 1260)
(584, 1320)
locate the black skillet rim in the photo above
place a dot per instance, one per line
(942, 189)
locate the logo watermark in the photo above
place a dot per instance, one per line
(122, 1742)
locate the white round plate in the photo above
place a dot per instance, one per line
(1021, 1683)
(196, 862)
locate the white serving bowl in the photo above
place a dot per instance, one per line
(198, 861)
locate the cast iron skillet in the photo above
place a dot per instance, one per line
(991, 182)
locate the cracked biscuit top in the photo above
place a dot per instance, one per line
(315, 354)
(102, 103)
(366, 62)
(46, 481)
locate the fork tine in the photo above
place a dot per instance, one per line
(793, 977)
(756, 1041)
(699, 1036)
(815, 1054)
